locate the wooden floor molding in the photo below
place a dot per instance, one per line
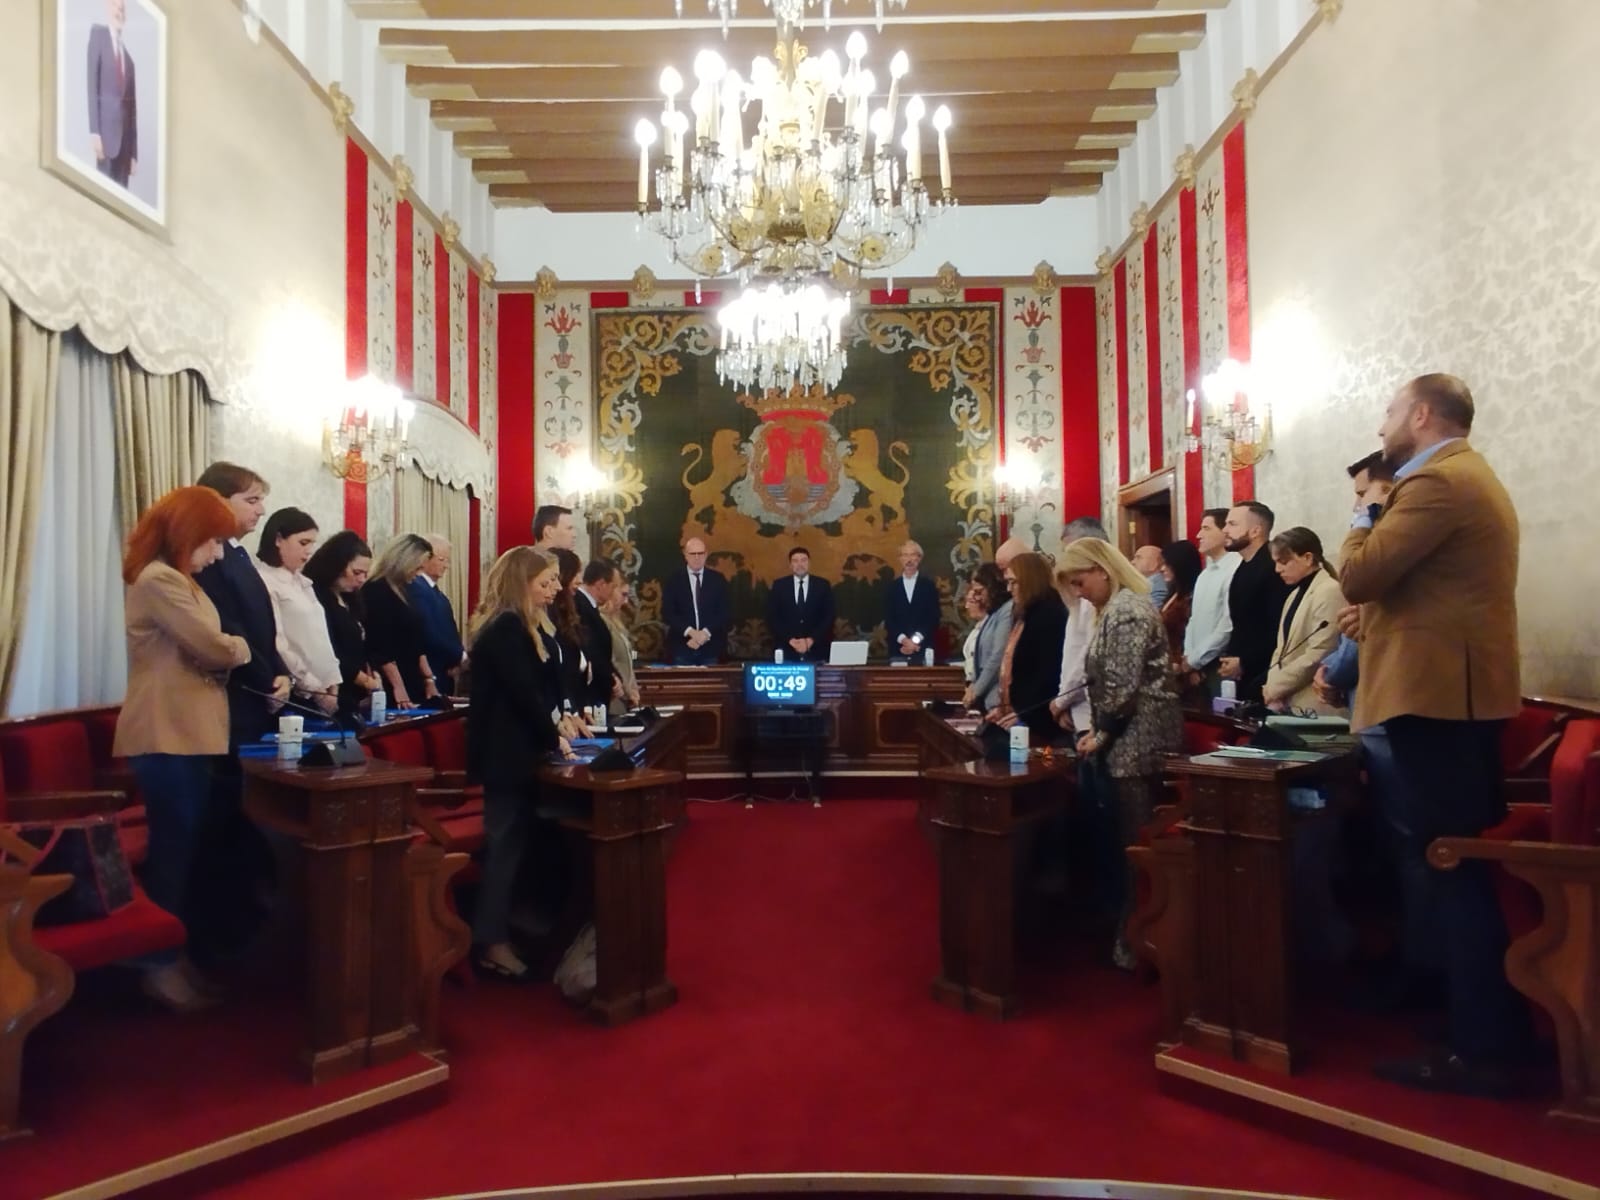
(253, 1139)
(1451, 1153)
(831, 1184)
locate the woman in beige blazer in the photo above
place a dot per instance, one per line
(174, 720)
(1308, 629)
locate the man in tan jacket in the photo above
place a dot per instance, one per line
(1437, 580)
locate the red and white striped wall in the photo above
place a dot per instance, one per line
(418, 316)
(414, 307)
(1046, 402)
(1168, 312)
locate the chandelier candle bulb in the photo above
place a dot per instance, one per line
(644, 133)
(941, 122)
(899, 67)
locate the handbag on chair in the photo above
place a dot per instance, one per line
(89, 851)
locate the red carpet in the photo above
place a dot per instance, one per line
(803, 941)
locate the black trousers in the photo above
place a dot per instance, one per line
(1450, 778)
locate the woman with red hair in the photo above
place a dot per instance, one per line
(175, 718)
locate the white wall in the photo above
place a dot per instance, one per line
(1422, 184)
(980, 241)
(256, 207)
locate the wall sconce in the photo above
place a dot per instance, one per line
(1223, 427)
(1016, 485)
(583, 482)
(366, 438)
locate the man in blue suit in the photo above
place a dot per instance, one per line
(800, 611)
(911, 607)
(113, 99)
(441, 637)
(695, 610)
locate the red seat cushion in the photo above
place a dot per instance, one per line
(1523, 735)
(52, 756)
(134, 837)
(136, 929)
(1575, 786)
(447, 744)
(402, 746)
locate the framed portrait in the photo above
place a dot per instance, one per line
(104, 75)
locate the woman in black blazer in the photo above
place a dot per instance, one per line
(396, 638)
(1030, 672)
(511, 732)
(338, 571)
(576, 670)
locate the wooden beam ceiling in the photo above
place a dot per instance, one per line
(543, 96)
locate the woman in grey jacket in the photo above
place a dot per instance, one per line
(989, 647)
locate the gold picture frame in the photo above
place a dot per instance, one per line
(104, 69)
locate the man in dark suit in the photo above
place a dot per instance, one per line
(911, 607)
(113, 99)
(441, 637)
(695, 610)
(599, 577)
(245, 606)
(800, 611)
(1436, 580)
(234, 862)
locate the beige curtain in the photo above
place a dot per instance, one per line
(30, 362)
(424, 506)
(162, 429)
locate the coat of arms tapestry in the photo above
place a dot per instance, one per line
(903, 449)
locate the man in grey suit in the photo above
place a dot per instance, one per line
(113, 99)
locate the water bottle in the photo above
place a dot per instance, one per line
(777, 655)
(927, 656)
(380, 703)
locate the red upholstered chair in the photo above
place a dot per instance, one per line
(55, 756)
(40, 963)
(446, 741)
(1527, 748)
(444, 813)
(1548, 861)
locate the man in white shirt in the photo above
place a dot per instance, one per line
(800, 611)
(554, 529)
(1071, 705)
(1206, 636)
(911, 607)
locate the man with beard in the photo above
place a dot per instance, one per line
(1437, 582)
(1255, 599)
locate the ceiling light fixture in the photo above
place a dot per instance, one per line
(788, 12)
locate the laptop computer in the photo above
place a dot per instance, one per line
(847, 654)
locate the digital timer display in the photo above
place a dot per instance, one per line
(780, 685)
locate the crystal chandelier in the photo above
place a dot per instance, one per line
(782, 336)
(827, 185)
(788, 12)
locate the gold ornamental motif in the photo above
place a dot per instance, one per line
(545, 284)
(948, 281)
(449, 232)
(1045, 279)
(343, 106)
(1185, 166)
(643, 284)
(404, 177)
(1246, 91)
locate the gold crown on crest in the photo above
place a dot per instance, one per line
(813, 402)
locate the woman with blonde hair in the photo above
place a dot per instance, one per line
(511, 732)
(1030, 665)
(396, 638)
(174, 721)
(1136, 721)
(621, 646)
(1308, 628)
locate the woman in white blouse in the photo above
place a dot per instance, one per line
(287, 539)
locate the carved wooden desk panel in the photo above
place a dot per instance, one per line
(626, 816)
(874, 713)
(351, 823)
(1242, 827)
(976, 811)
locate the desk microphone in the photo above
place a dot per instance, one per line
(997, 741)
(343, 753)
(1258, 712)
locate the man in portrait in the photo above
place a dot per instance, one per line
(113, 99)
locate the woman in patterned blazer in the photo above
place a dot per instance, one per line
(1136, 721)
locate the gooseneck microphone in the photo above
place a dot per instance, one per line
(343, 753)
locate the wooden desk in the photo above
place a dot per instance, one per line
(978, 808)
(351, 823)
(1242, 827)
(874, 709)
(625, 816)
